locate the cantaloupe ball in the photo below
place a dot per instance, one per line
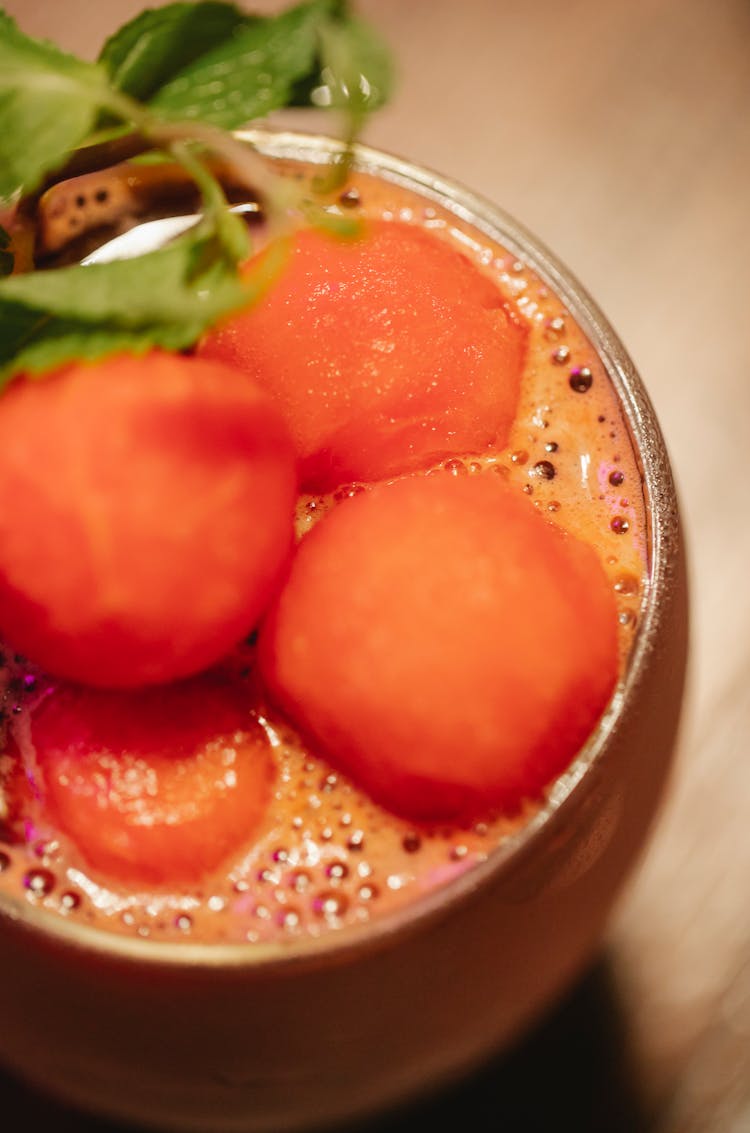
(146, 508)
(444, 644)
(385, 353)
(156, 785)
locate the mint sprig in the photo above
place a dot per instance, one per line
(178, 78)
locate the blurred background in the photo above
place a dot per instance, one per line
(619, 133)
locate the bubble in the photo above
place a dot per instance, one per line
(554, 329)
(289, 919)
(456, 467)
(411, 842)
(620, 525)
(544, 469)
(70, 901)
(350, 198)
(337, 872)
(39, 882)
(356, 840)
(561, 355)
(368, 892)
(330, 905)
(183, 922)
(581, 379)
(616, 478)
(300, 880)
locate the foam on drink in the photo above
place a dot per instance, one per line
(327, 858)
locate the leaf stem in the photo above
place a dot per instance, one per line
(180, 138)
(230, 230)
(278, 195)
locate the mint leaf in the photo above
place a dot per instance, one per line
(159, 43)
(48, 104)
(6, 258)
(165, 298)
(41, 343)
(254, 72)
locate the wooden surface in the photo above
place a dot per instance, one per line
(619, 132)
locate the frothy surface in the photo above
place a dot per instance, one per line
(327, 856)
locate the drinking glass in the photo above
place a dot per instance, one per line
(264, 1038)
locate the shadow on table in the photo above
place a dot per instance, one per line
(572, 1072)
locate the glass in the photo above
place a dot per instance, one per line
(263, 1038)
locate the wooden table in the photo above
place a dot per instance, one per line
(619, 132)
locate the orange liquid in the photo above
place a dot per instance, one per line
(327, 857)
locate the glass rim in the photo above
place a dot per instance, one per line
(662, 547)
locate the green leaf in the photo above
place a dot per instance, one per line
(159, 43)
(48, 104)
(254, 72)
(166, 298)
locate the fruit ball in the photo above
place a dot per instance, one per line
(146, 510)
(443, 643)
(385, 353)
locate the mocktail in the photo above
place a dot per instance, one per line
(343, 956)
